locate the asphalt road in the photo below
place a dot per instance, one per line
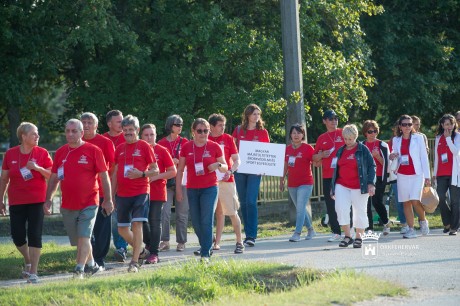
(429, 266)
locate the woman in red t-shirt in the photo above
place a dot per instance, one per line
(352, 184)
(174, 143)
(26, 168)
(202, 158)
(413, 172)
(380, 152)
(152, 229)
(297, 165)
(248, 185)
(447, 172)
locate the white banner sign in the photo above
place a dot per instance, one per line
(262, 158)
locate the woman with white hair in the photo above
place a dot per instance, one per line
(24, 172)
(352, 184)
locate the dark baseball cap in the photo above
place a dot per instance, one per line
(329, 114)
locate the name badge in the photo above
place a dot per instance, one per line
(26, 174)
(199, 169)
(126, 169)
(291, 161)
(60, 173)
(444, 158)
(405, 160)
(334, 163)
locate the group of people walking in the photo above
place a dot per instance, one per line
(123, 184)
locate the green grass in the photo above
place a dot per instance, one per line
(54, 259)
(221, 282)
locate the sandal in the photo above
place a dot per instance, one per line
(358, 243)
(344, 243)
(216, 247)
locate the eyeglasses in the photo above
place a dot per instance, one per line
(200, 131)
(178, 124)
(333, 119)
(406, 124)
(372, 131)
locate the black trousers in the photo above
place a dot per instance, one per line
(377, 201)
(26, 223)
(449, 216)
(152, 229)
(330, 206)
(102, 232)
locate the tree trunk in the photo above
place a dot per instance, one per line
(13, 123)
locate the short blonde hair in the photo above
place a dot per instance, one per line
(24, 128)
(350, 130)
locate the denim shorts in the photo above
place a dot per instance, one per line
(132, 209)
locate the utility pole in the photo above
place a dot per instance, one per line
(292, 68)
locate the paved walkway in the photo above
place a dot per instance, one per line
(429, 266)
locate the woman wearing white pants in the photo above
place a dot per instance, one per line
(352, 184)
(413, 172)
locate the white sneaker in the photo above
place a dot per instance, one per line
(335, 237)
(295, 237)
(33, 279)
(424, 227)
(311, 233)
(386, 229)
(410, 234)
(404, 229)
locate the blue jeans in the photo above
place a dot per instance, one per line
(202, 205)
(118, 241)
(399, 205)
(300, 196)
(247, 186)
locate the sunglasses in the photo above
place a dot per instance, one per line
(333, 119)
(372, 131)
(406, 124)
(178, 124)
(200, 131)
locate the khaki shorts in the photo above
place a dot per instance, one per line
(79, 223)
(228, 198)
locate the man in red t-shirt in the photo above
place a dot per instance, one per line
(325, 153)
(115, 133)
(77, 166)
(134, 163)
(100, 239)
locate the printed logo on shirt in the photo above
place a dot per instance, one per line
(83, 160)
(156, 156)
(352, 156)
(190, 153)
(137, 152)
(299, 155)
(206, 154)
(338, 139)
(324, 142)
(14, 162)
(33, 160)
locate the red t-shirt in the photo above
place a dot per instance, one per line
(375, 146)
(251, 135)
(444, 168)
(348, 175)
(406, 169)
(164, 160)
(206, 154)
(172, 146)
(81, 167)
(300, 173)
(117, 140)
(329, 141)
(226, 142)
(108, 150)
(138, 155)
(33, 190)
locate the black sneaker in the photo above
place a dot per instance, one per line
(78, 273)
(250, 242)
(446, 230)
(197, 252)
(239, 248)
(89, 271)
(120, 255)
